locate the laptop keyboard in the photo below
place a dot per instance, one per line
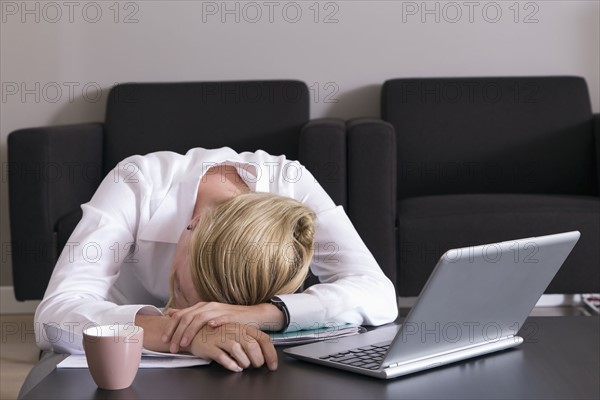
(369, 357)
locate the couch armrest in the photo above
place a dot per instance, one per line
(596, 128)
(52, 171)
(372, 187)
(322, 149)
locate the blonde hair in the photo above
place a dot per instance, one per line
(252, 247)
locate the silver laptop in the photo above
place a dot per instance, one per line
(474, 303)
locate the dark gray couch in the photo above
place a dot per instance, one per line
(481, 160)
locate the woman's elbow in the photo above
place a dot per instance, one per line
(39, 323)
(386, 305)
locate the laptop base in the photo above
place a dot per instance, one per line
(416, 365)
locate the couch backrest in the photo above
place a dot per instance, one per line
(492, 135)
(245, 115)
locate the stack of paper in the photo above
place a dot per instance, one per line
(329, 332)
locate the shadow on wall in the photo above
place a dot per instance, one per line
(363, 101)
(89, 106)
(589, 62)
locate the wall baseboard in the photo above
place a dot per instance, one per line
(10, 305)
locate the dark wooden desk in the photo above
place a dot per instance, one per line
(560, 359)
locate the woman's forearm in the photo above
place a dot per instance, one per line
(268, 318)
(153, 326)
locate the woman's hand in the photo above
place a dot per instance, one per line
(186, 323)
(235, 346)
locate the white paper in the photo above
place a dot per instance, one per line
(148, 361)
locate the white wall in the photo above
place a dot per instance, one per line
(344, 52)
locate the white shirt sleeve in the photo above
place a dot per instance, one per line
(76, 297)
(352, 288)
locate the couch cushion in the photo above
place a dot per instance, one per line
(429, 226)
(492, 135)
(245, 115)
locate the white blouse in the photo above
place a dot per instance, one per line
(118, 260)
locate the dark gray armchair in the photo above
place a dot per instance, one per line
(481, 160)
(53, 170)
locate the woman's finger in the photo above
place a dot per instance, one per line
(218, 321)
(175, 316)
(172, 311)
(223, 358)
(192, 329)
(189, 325)
(253, 350)
(267, 349)
(238, 352)
(183, 321)
(169, 328)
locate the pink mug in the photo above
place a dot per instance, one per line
(113, 354)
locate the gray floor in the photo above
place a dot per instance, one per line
(18, 353)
